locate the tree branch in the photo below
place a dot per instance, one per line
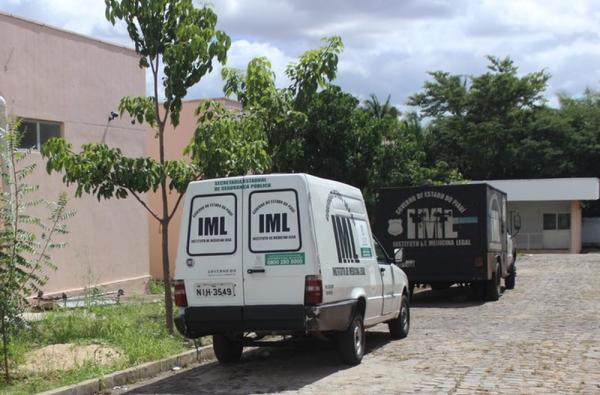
(38, 262)
(175, 208)
(135, 195)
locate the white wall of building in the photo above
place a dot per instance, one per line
(532, 234)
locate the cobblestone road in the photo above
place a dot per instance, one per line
(543, 337)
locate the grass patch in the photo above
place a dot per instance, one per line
(156, 287)
(137, 329)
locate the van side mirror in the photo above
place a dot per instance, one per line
(398, 255)
(517, 222)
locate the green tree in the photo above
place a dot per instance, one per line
(316, 127)
(227, 143)
(477, 123)
(26, 241)
(283, 111)
(345, 143)
(184, 41)
(582, 115)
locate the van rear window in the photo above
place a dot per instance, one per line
(274, 221)
(212, 228)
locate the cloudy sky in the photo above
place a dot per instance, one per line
(389, 45)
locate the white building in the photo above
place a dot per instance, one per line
(549, 211)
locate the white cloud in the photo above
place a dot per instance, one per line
(240, 53)
(390, 45)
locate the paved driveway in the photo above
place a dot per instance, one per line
(542, 337)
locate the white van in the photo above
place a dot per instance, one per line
(283, 254)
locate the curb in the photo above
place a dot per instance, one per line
(136, 373)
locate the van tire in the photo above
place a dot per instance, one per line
(400, 326)
(351, 342)
(227, 349)
(509, 281)
(493, 285)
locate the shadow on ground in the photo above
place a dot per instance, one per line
(265, 370)
(453, 297)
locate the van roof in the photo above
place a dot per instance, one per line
(307, 177)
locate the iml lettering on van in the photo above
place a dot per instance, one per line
(212, 226)
(344, 239)
(209, 226)
(274, 221)
(268, 223)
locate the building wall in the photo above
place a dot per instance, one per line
(591, 231)
(53, 75)
(532, 221)
(175, 141)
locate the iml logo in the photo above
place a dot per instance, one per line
(211, 226)
(273, 223)
(344, 239)
(430, 223)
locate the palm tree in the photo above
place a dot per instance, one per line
(374, 106)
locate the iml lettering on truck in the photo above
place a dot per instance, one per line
(273, 223)
(344, 239)
(434, 223)
(209, 226)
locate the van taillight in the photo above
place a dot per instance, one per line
(313, 290)
(180, 298)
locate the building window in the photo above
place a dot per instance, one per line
(560, 221)
(563, 221)
(35, 133)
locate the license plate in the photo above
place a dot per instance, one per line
(215, 290)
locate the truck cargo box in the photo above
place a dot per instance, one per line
(445, 234)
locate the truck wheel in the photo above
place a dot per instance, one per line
(400, 326)
(493, 285)
(227, 349)
(351, 342)
(509, 281)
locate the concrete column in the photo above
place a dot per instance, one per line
(575, 227)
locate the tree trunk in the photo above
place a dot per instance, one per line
(5, 347)
(167, 277)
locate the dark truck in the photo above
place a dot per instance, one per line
(447, 234)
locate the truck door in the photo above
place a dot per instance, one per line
(210, 257)
(387, 278)
(276, 235)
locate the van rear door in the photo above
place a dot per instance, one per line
(210, 255)
(277, 240)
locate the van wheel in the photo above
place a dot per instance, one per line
(493, 285)
(227, 349)
(351, 342)
(400, 326)
(509, 281)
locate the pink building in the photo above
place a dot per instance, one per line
(65, 84)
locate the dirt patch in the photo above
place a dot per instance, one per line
(67, 356)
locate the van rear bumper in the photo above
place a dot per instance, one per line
(202, 321)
